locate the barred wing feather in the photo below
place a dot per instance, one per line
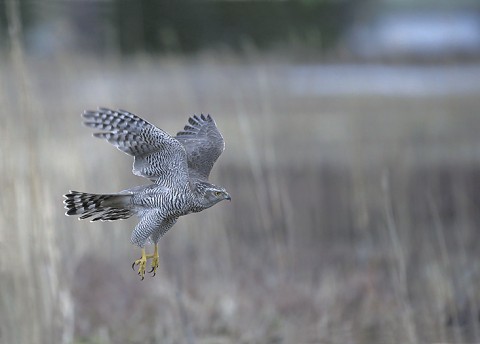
(203, 143)
(157, 155)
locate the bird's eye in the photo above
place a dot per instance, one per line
(218, 193)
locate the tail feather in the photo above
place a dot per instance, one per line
(100, 207)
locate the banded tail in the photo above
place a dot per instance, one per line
(101, 207)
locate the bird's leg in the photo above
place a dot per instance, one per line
(142, 263)
(154, 257)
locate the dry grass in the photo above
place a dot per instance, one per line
(354, 218)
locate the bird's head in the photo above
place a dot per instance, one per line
(216, 194)
(211, 194)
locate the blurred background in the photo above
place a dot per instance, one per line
(352, 157)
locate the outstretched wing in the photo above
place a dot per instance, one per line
(203, 143)
(157, 155)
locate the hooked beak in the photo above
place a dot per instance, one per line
(227, 196)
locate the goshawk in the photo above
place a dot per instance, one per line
(178, 167)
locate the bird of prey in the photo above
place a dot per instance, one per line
(178, 166)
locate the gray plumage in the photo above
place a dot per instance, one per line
(178, 167)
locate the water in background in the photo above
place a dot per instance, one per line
(354, 213)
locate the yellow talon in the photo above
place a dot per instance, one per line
(155, 259)
(142, 263)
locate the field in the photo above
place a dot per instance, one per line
(354, 214)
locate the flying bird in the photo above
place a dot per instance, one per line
(178, 167)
